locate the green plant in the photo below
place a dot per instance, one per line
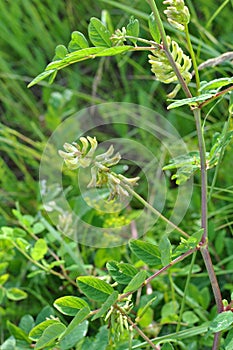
(126, 317)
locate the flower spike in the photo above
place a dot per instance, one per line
(163, 70)
(84, 156)
(177, 13)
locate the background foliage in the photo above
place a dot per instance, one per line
(31, 281)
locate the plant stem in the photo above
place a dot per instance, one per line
(54, 255)
(145, 41)
(220, 93)
(192, 54)
(204, 184)
(216, 343)
(157, 273)
(42, 267)
(185, 291)
(202, 151)
(224, 132)
(155, 211)
(173, 262)
(204, 221)
(213, 279)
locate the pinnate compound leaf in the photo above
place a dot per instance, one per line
(39, 250)
(136, 282)
(221, 322)
(216, 83)
(49, 335)
(111, 300)
(193, 101)
(121, 272)
(220, 142)
(79, 318)
(98, 33)
(85, 54)
(38, 330)
(78, 42)
(41, 76)
(16, 294)
(147, 252)
(69, 305)
(186, 164)
(94, 288)
(75, 57)
(192, 158)
(17, 332)
(184, 173)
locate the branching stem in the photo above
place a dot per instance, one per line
(202, 151)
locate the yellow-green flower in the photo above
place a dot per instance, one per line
(177, 13)
(77, 156)
(163, 70)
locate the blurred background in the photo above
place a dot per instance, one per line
(30, 31)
